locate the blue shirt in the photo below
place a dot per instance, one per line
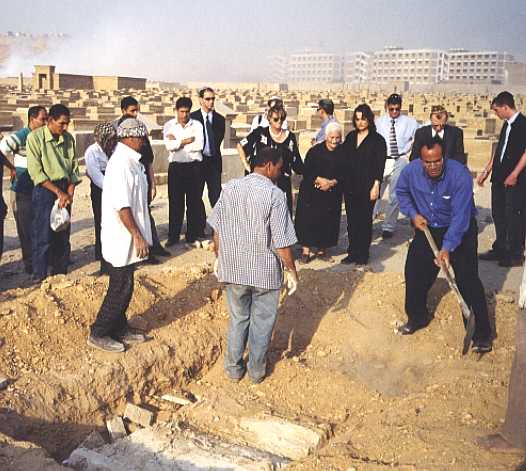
(446, 201)
(320, 135)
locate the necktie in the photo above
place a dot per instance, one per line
(502, 140)
(211, 142)
(393, 145)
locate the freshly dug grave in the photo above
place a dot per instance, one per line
(387, 401)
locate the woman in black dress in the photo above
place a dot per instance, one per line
(278, 138)
(320, 198)
(365, 153)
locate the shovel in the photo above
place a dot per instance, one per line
(467, 313)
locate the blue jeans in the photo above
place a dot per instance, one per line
(253, 313)
(48, 246)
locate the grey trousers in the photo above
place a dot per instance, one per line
(23, 213)
(514, 429)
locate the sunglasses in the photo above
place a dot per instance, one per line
(432, 163)
(276, 120)
(210, 98)
(394, 108)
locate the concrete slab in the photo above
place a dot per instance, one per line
(163, 448)
(282, 437)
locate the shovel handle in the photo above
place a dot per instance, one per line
(435, 250)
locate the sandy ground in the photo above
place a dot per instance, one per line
(406, 402)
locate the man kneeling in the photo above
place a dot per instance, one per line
(438, 193)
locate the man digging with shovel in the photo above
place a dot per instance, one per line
(437, 194)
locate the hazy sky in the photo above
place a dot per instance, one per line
(230, 39)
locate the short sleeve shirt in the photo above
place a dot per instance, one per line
(252, 220)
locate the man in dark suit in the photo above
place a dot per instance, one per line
(508, 184)
(452, 137)
(214, 132)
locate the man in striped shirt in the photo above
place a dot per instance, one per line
(22, 186)
(253, 239)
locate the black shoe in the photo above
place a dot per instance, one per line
(490, 255)
(409, 329)
(511, 262)
(130, 336)
(171, 242)
(482, 346)
(387, 235)
(347, 260)
(106, 344)
(160, 251)
(151, 260)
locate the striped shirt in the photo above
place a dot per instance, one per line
(252, 220)
(15, 144)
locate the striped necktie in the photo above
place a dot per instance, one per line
(393, 145)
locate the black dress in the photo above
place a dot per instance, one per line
(363, 165)
(288, 149)
(318, 212)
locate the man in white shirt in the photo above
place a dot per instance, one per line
(398, 131)
(183, 138)
(126, 236)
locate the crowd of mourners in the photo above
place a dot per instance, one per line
(255, 221)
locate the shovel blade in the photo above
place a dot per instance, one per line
(470, 331)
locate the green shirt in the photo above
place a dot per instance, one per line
(52, 159)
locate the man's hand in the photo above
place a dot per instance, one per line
(481, 177)
(420, 222)
(188, 140)
(64, 199)
(291, 282)
(375, 191)
(322, 184)
(442, 259)
(141, 246)
(12, 172)
(153, 191)
(511, 180)
(216, 268)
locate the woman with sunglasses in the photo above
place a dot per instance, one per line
(276, 137)
(365, 153)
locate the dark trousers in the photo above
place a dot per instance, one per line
(22, 207)
(3, 214)
(48, 247)
(285, 184)
(96, 206)
(508, 215)
(514, 429)
(359, 225)
(421, 272)
(111, 319)
(211, 168)
(185, 185)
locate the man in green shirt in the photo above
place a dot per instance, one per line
(54, 169)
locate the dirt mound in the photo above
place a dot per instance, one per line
(408, 402)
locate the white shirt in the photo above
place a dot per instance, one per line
(125, 186)
(207, 116)
(434, 133)
(508, 129)
(405, 128)
(96, 162)
(190, 152)
(264, 123)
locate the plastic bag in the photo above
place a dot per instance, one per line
(59, 218)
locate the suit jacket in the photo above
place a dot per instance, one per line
(453, 142)
(515, 148)
(218, 126)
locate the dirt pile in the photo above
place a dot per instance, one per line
(407, 402)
